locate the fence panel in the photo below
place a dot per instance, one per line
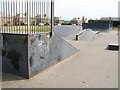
(26, 16)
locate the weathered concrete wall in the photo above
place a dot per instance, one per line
(96, 26)
(38, 51)
(15, 54)
(27, 55)
(45, 52)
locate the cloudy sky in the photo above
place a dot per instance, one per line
(67, 9)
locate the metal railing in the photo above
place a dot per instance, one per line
(26, 16)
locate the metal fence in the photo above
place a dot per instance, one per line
(26, 16)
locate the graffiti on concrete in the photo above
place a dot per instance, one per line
(14, 53)
(14, 57)
(39, 50)
(28, 55)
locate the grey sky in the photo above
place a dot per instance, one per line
(68, 9)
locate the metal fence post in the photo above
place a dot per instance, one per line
(52, 17)
(28, 17)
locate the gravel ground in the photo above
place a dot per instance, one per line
(91, 67)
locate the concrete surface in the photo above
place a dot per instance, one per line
(14, 54)
(30, 54)
(70, 32)
(92, 67)
(88, 35)
(67, 32)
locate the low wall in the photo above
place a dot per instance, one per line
(96, 26)
(27, 55)
(15, 54)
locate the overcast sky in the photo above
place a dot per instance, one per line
(67, 9)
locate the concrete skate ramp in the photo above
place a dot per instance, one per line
(88, 34)
(60, 49)
(27, 55)
(67, 32)
(102, 27)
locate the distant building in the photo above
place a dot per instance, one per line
(61, 20)
(12, 20)
(58, 20)
(21, 19)
(41, 19)
(112, 18)
(76, 21)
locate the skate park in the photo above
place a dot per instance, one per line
(73, 56)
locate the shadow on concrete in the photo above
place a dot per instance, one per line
(11, 77)
(112, 48)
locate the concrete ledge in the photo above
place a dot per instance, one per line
(27, 55)
(113, 45)
(87, 34)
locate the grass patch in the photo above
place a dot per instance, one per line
(25, 28)
(115, 28)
